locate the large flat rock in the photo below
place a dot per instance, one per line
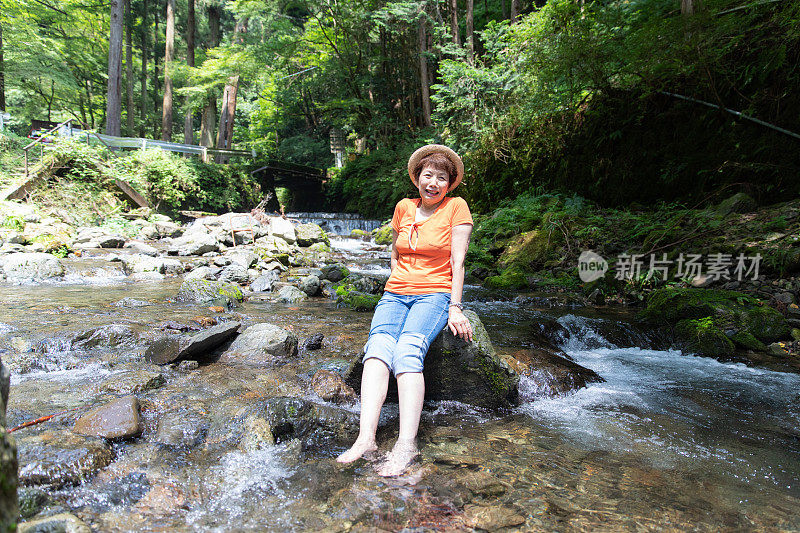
(171, 348)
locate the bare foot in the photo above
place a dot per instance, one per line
(357, 450)
(397, 460)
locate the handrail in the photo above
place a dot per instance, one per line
(48, 132)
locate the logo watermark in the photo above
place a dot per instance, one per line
(592, 266)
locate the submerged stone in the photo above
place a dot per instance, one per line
(549, 373)
(62, 522)
(315, 425)
(117, 419)
(331, 387)
(9, 507)
(59, 458)
(182, 428)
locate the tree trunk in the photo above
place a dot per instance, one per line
(2, 73)
(188, 125)
(207, 122)
(143, 90)
(690, 7)
(114, 95)
(225, 135)
(470, 33)
(454, 22)
(214, 35)
(169, 52)
(514, 11)
(423, 73)
(504, 5)
(156, 79)
(129, 67)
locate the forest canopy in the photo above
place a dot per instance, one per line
(619, 102)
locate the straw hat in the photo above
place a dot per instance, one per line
(432, 149)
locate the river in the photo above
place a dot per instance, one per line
(668, 441)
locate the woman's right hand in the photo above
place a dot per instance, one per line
(459, 324)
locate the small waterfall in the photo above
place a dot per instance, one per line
(336, 223)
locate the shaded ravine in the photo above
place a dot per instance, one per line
(667, 441)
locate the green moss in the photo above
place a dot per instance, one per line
(383, 235)
(766, 323)
(497, 381)
(673, 304)
(526, 250)
(703, 336)
(507, 280)
(14, 222)
(747, 340)
(358, 233)
(361, 301)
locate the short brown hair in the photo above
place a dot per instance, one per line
(437, 161)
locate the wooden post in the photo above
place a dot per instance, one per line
(225, 134)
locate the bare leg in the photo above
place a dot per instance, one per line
(374, 383)
(411, 390)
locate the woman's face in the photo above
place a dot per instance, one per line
(432, 184)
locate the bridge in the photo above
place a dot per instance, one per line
(305, 183)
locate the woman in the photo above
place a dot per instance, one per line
(430, 238)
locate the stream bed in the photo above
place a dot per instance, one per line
(668, 441)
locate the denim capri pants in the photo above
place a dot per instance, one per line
(403, 327)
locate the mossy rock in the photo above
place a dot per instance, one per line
(360, 301)
(205, 291)
(748, 340)
(527, 250)
(507, 280)
(57, 244)
(469, 372)
(704, 337)
(359, 233)
(738, 203)
(671, 304)
(702, 315)
(383, 235)
(319, 247)
(357, 291)
(766, 323)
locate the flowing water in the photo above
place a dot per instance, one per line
(668, 441)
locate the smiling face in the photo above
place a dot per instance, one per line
(432, 184)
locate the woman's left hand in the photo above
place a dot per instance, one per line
(459, 324)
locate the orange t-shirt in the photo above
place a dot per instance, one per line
(423, 265)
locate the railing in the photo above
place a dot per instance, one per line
(112, 142)
(40, 140)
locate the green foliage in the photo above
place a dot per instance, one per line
(164, 177)
(14, 222)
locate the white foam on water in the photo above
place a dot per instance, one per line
(674, 408)
(351, 245)
(243, 478)
(6, 328)
(95, 276)
(78, 371)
